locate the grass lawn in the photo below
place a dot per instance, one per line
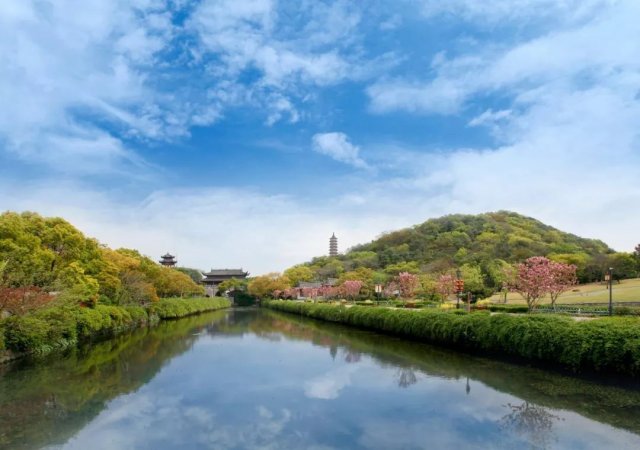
(625, 291)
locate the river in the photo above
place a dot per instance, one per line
(249, 378)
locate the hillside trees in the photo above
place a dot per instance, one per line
(296, 274)
(487, 242)
(46, 259)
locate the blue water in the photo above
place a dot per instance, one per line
(257, 379)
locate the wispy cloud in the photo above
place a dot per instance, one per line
(337, 146)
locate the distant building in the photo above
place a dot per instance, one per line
(168, 260)
(333, 245)
(214, 277)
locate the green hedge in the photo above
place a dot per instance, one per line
(605, 345)
(63, 326)
(173, 308)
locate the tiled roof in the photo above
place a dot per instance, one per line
(226, 272)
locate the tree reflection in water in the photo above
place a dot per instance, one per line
(533, 422)
(406, 377)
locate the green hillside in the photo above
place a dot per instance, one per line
(480, 245)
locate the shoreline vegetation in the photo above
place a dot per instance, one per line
(64, 326)
(605, 345)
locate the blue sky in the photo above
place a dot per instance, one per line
(245, 132)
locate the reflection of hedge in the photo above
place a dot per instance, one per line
(64, 326)
(93, 374)
(609, 344)
(607, 402)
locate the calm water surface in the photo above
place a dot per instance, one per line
(258, 379)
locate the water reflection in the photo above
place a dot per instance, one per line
(258, 379)
(533, 422)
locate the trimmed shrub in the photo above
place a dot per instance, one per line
(605, 345)
(65, 325)
(173, 308)
(516, 309)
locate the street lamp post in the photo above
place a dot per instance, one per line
(610, 279)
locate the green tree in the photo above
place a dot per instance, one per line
(473, 280)
(263, 286)
(233, 284)
(296, 274)
(195, 274)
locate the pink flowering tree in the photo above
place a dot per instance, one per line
(408, 284)
(351, 288)
(277, 293)
(328, 292)
(533, 280)
(390, 289)
(446, 286)
(290, 293)
(311, 293)
(563, 277)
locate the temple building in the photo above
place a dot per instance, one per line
(333, 245)
(168, 260)
(216, 276)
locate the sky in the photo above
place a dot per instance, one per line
(243, 133)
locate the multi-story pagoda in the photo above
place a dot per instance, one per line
(333, 245)
(214, 277)
(168, 260)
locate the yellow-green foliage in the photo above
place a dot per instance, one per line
(63, 326)
(172, 308)
(607, 345)
(51, 254)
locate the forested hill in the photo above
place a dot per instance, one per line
(482, 244)
(459, 239)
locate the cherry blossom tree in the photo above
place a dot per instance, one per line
(391, 289)
(563, 276)
(277, 293)
(290, 293)
(351, 288)
(311, 293)
(446, 286)
(408, 283)
(533, 280)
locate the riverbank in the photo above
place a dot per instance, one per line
(61, 327)
(610, 345)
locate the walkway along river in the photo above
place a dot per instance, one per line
(249, 378)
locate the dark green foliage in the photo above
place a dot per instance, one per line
(63, 326)
(606, 345)
(241, 298)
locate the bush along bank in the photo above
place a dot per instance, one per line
(609, 345)
(63, 326)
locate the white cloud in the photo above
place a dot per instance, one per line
(602, 50)
(508, 12)
(337, 146)
(64, 59)
(329, 385)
